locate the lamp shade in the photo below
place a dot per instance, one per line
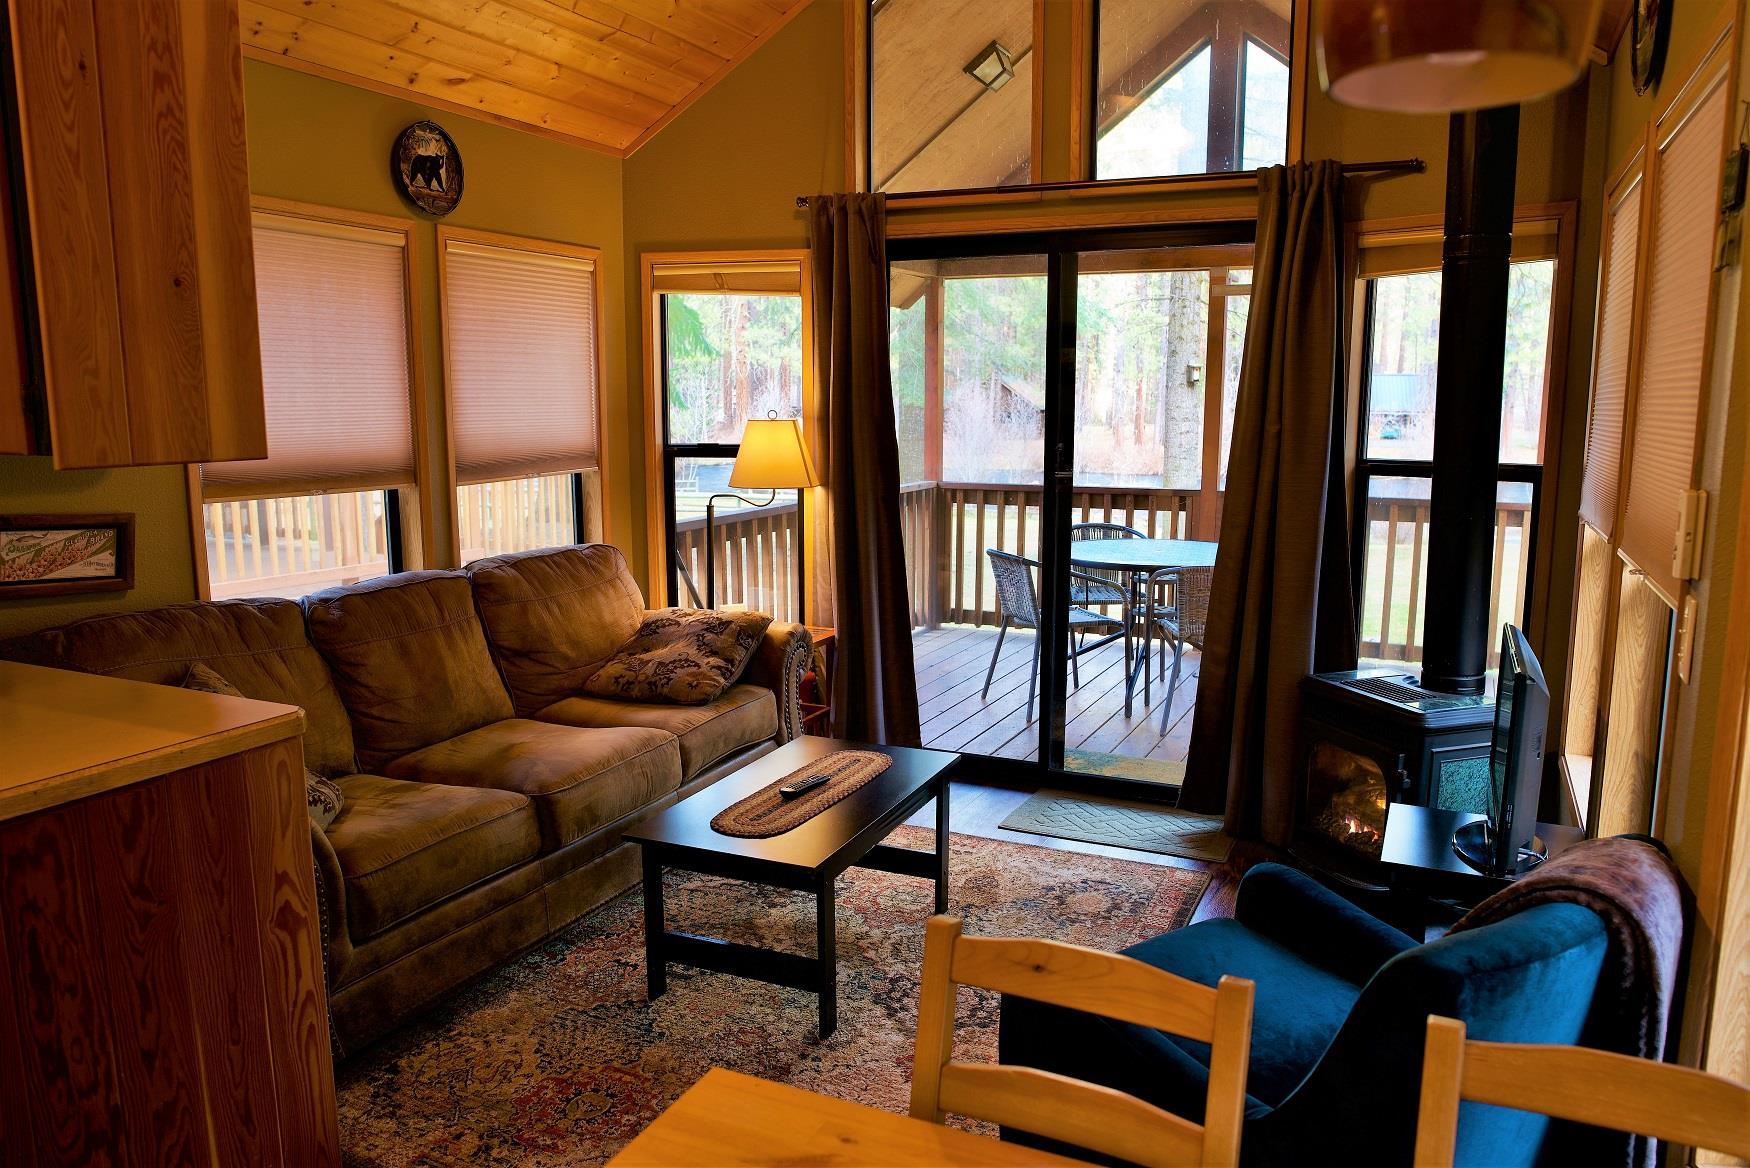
(1441, 56)
(773, 457)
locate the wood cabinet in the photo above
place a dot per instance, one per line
(130, 187)
(161, 994)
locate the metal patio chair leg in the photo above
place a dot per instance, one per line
(1002, 631)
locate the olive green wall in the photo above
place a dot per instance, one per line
(726, 173)
(319, 141)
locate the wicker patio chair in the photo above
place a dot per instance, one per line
(1181, 621)
(1103, 585)
(1018, 605)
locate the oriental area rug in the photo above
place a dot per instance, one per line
(557, 1058)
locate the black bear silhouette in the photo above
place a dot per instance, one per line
(429, 168)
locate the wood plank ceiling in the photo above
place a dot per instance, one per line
(607, 74)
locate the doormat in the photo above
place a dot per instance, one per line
(1146, 770)
(1091, 819)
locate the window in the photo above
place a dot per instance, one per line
(1395, 469)
(325, 506)
(520, 351)
(727, 345)
(1190, 88)
(935, 122)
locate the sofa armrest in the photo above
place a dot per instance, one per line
(330, 908)
(783, 657)
(1300, 914)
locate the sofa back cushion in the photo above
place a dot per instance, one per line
(258, 646)
(553, 616)
(410, 660)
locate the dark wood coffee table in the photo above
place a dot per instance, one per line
(808, 858)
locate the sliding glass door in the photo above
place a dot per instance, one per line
(1063, 405)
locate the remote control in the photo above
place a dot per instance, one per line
(791, 790)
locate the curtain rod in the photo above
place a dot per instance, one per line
(1392, 166)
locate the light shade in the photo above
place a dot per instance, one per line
(1441, 56)
(773, 457)
(993, 67)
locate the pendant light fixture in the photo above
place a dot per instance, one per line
(1442, 56)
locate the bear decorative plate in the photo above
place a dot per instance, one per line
(427, 168)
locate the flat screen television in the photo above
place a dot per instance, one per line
(1505, 840)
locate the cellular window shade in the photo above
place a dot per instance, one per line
(519, 334)
(1616, 313)
(1407, 250)
(1667, 404)
(333, 317)
(754, 277)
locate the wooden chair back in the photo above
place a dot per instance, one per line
(1056, 1106)
(1597, 1087)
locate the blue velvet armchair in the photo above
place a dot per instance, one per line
(1339, 1017)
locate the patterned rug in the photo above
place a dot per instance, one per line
(1164, 830)
(558, 1059)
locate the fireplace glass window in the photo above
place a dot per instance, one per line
(1346, 797)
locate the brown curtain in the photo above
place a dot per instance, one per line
(874, 688)
(1281, 604)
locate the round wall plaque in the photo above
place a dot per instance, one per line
(1652, 28)
(427, 168)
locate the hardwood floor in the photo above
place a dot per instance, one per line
(976, 808)
(952, 661)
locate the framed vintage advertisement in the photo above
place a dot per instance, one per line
(58, 555)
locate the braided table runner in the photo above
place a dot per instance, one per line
(767, 813)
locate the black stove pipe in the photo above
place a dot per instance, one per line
(1482, 157)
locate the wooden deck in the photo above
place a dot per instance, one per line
(951, 661)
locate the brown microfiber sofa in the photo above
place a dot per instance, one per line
(484, 794)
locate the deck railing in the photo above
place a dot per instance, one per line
(1397, 535)
(756, 559)
(516, 515)
(290, 547)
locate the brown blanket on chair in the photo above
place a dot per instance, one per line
(1634, 889)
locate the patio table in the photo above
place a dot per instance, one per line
(1140, 557)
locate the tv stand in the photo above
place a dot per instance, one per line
(1422, 862)
(1471, 844)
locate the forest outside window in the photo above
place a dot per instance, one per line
(325, 507)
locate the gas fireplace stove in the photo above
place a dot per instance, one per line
(1370, 737)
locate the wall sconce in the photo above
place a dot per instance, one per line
(993, 67)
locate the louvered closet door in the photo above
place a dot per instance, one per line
(1610, 371)
(1668, 398)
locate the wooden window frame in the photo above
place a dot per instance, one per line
(1075, 122)
(498, 239)
(1541, 231)
(412, 505)
(654, 406)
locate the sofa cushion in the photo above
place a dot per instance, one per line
(410, 661)
(579, 780)
(553, 616)
(681, 655)
(744, 715)
(404, 847)
(258, 646)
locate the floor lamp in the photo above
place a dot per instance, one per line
(773, 457)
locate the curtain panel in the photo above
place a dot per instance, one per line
(1282, 603)
(874, 695)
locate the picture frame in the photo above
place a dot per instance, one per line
(63, 555)
(426, 168)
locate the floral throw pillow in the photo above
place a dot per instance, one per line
(321, 794)
(682, 655)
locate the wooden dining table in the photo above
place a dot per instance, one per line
(728, 1119)
(1138, 558)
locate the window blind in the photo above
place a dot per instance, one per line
(520, 348)
(1616, 312)
(752, 277)
(333, 318)
(1402, 251)
(1667, 404)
